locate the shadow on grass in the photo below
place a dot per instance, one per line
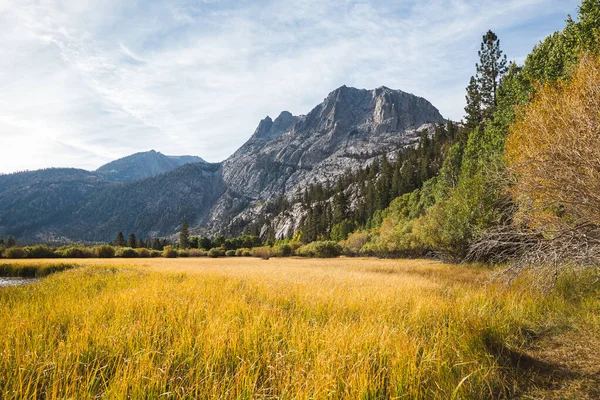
(549, 378)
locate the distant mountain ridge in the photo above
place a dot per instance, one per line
(150, 194)
(144, 165)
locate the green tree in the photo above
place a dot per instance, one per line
(490, 69)
(474, 114)
(205, 243)
(132, 242)
(184, 236)
(120, 242)
(340, 206)
(10, 242)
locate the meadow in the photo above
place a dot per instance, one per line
(293, 328)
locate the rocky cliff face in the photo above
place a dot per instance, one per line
(347, 130)
(150, 194)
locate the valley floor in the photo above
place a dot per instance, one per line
(296, 328)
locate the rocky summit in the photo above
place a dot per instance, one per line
(151, 194)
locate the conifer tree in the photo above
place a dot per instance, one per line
(474, 114)
(120, 242)
(184, 235)
(10, 242)
(132, 242)
(340, 205)
(490, 69)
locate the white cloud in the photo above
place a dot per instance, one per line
(85, 82)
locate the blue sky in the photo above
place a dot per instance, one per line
(83, 82)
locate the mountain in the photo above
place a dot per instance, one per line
(143, 165)
(150, 194)
(349, 129)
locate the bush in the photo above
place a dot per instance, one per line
(169, 252)
(197, 253)
(183, 253)
(75, 252)
(326, 249)
(230, 253)
(243, 252)
(15, 252)
(155, 253)
(127, 252)
(41, 251)
(216, 252)
(354, 243)
(282, 250)
(264, 252)
(143, 253)
(104, 251)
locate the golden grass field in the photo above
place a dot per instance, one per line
(289, 328)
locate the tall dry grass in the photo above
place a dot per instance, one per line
(248, 328)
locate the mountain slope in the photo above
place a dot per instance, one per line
(349, 129)
(150, 194)
(143, 165)
(32, 201)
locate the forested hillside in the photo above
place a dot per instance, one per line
(463, 192)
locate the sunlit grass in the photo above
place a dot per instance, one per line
(247, 328)
(33, 269)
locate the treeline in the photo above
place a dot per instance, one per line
(521, 184)
(518, 182)
(358, 197)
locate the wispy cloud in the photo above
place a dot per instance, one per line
(82, 83)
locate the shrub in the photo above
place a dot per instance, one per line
(127, 252)
(15, 252)
(75, 252)
(282, 250)
(262, 252)
(216, 252)
(169, 252)
(143, 253)
(243, 252)
(354, 243)
(41, 251)
(155, 253)
(183, 253)
(326, 249)
(295, 245)
(104, 251)
(230, 253)
(197, 253)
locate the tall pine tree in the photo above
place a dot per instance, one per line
(474, 114)
(184, 235)
(490, 69)
(132, 242)
(120, 242)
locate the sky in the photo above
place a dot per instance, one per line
(84, 82)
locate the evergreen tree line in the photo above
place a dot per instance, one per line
(353, 202)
